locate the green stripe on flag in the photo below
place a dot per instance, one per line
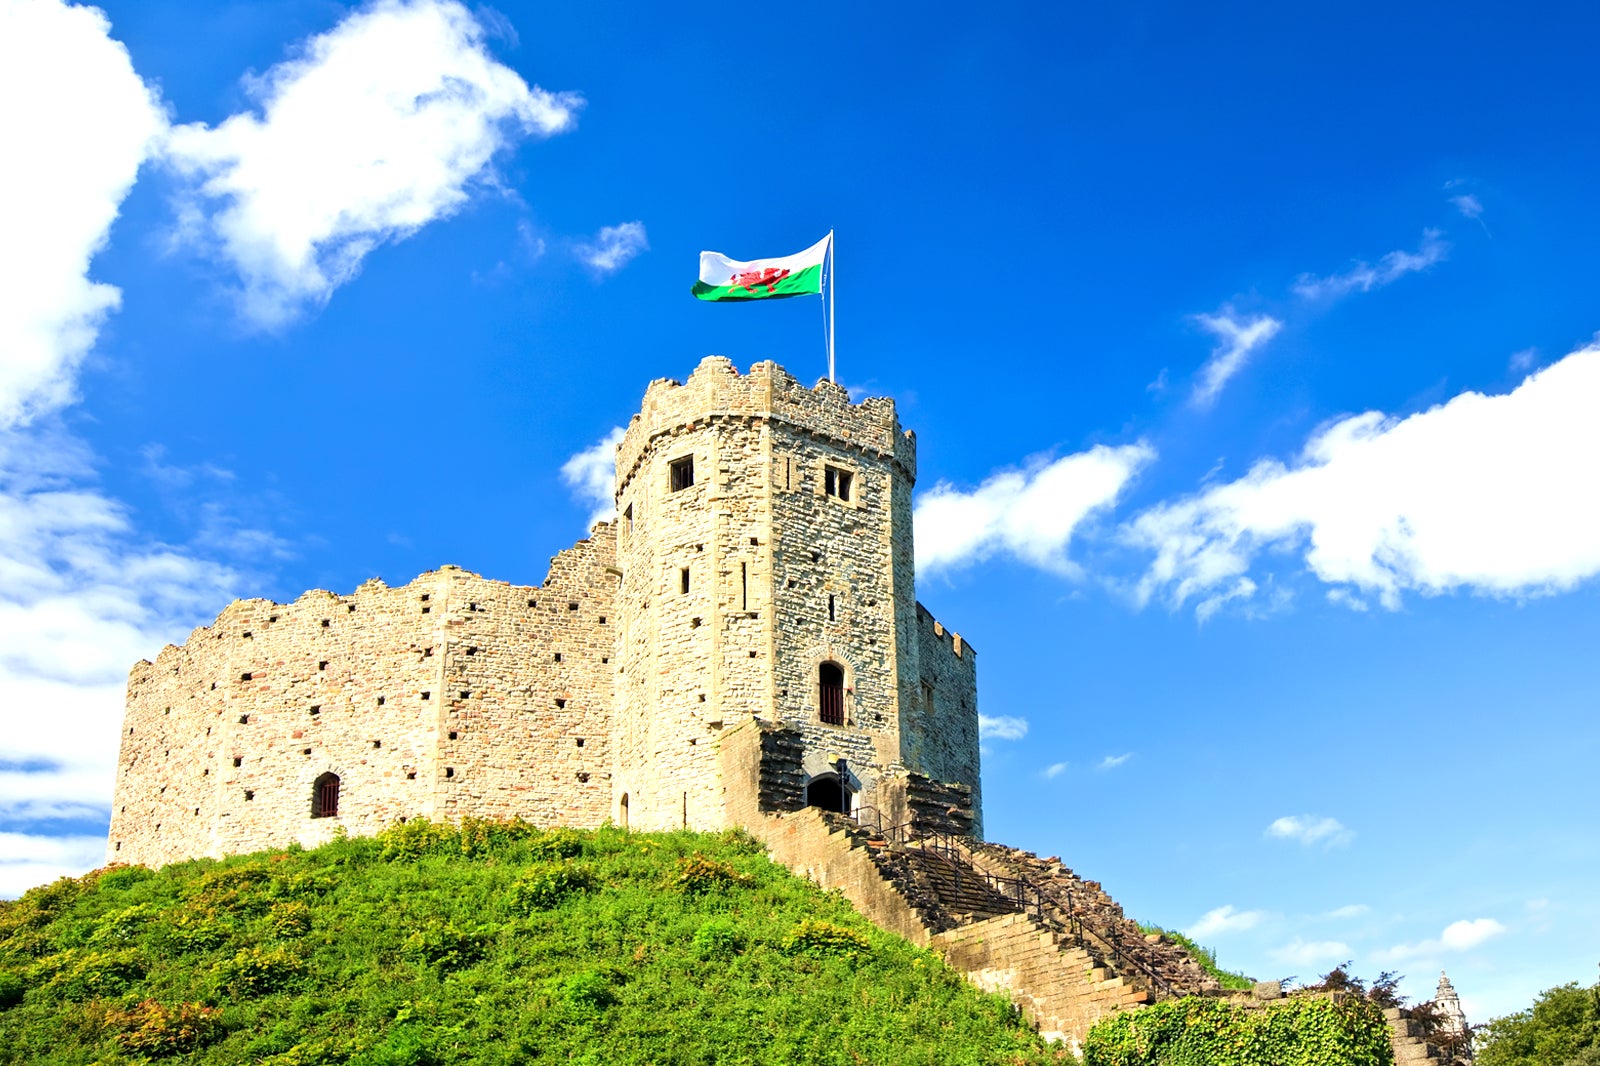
(807, 282)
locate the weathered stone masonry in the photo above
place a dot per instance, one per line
(606, 691)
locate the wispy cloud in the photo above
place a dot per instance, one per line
(1054, 770)
(27, 860)
(592, 474)
(1029, 513)
(1300, 952)
(1364, 277)
(614, 247)
(1222, 920)
(1349, 910)
(1237, 337)
(1111, 762)
(1001, 727)
(1483, 493)
(1458, 936)
(350, 149)
(1468, 205)
(1309, 829)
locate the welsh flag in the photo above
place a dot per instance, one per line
(800, 274)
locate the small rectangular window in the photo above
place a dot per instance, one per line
(682, 473)
(683, 581)
(837, 482)
(627, 518)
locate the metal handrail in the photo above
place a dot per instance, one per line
(1031, 897)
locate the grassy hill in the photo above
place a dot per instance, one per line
(489, 943)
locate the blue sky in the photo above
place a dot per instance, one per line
(1250, 352)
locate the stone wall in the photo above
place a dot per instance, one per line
(941, 739)
(435, 699)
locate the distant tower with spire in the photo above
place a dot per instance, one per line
(1452, 1019)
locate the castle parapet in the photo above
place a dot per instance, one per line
(716, 389)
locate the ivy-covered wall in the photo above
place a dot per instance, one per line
(1299, 1031)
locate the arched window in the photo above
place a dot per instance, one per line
(325, 796)
(623, 812)
(831, 685)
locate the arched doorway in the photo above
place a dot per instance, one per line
(325, 796)
(830, 685)
(826, 792)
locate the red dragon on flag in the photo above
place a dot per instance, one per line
(751, 280)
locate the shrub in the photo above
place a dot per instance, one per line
(445, 945)
(557, 844)
(256, 971)
(586, 992)
(698, 874)
(289, 920)
(150, 1028)
(814, 937)
(188, 932)
(542, 888)
(718, 938)
(11, 989)
(78, 974)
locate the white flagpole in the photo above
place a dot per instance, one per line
(831, 267)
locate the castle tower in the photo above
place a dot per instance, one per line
(764, 540)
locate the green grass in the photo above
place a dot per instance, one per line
(494, 943)
(1206, 957)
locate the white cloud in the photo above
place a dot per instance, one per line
(1111, 762)
(592, 475)
(1463, 935)
(614, 247)
(27, 860)
(81, 599)
(1468, 205)
(1028, 513)
(1300, 952)
(1483, 492)
(1237, 337)
(1349, 910)
(1363, 277)
(380, 126)
(1310, 829)
(1054, 770)
(1001, 727)
(77, 125)
(1522, 360)
(1226, 919)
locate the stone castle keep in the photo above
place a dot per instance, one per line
(743, 637)
(741, 646)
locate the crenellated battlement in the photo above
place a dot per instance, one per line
(948, 638)
(716, 390)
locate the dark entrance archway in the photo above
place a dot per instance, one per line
(825, 792)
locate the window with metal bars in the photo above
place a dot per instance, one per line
(325, 796)
(682, 471)
(831, 684)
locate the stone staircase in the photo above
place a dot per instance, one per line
(940, 899)
(1410, 1046)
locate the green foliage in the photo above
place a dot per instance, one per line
(814, 937)
(698, 874)
(1299, 1031)
(1206, 957)
(1562, 1028)
(488, 943)
(542, 888)
(254, 971)
(152, 1029)
(718, 938)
